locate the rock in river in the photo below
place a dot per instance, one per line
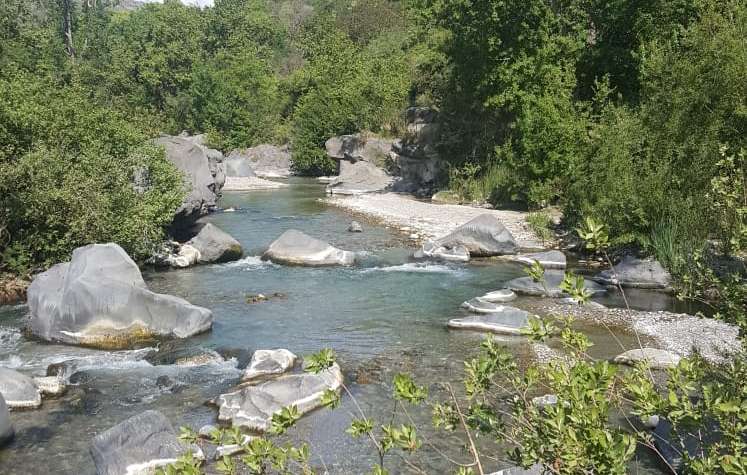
(215, 245)
(6, 427)
(296, 248)
(268, 362)
(551, 286)
(18, 390)
(138, 445)
(656, 359)
(252, 407)
(548, 259)
(639, 273)
(355, 227)
(499, 296)
(483, 236)
(100, 299)
(506, 320)
(434, 251)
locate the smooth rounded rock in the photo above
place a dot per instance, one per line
(636, 273)
(100, 299)
(499, 296)
(268, 363)
(296, 248)
(548, 259)
(550, 287)
(654, 357)
(479, 305)
(509, 321)
(18, 390)
(483, 236)
(215, 245)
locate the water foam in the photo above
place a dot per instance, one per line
(250, 262)
(417, 267)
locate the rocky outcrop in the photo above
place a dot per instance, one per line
(252, 407)
(638, 273)
(359, 177)
(483, 236)
(202, 169)
(265, 161)
(431, 250)
(18, 390)
(296, 248)
(653, 357)
(138, 445)
(503, 320)
(215, 245)
(550, 287)
(268, 363)
(548, 259)
(360, 148)
(238, 167)
(100, 299)
(6, 426)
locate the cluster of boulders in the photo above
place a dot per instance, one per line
(209, 245)
(369, 163)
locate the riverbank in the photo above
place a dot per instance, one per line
(431, 220)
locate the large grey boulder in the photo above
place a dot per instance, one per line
(653, 357)
(202, 176)
(358, 178)
(238, 166)
(638, 273)
(547, 259)
(100, 299)
(138, 445)
(483, 236)
(296, 248)
(6, 426)
(355, 148)
(18, 390)
(504, 320)
(268, 363)
(266, 161)
(215, 245)
(252, 407)
(550, 287)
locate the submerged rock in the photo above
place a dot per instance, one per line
(296, 248)
(432, 250)
(267, 363)
(550, 287)
(638, 273)
(506, 320)
(138, 445)
(355, 227)
(656, 358)
(100, 299)
(18, 390)
(50, 385)
(499, 296)
(210, 357)
(6, 426)
(252, 407)
(548, 259)
(483, 236)
(215, 245)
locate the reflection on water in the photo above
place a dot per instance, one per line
(383, 316)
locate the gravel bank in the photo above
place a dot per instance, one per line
(431, 220)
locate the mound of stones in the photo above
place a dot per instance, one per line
(296, 248)
(100, 299)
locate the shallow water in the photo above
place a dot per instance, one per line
(385, 315)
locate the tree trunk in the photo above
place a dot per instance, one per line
(67, 27)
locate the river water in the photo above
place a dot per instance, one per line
(386, 315)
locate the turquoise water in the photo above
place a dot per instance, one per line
(383, 316)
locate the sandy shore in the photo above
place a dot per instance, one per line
(250, 184)
(431, 220)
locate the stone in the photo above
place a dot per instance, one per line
(551, 286)
(637, 273)
(268, 363)
(507, 320)
(499, 296)
(548, 259)
(656, 358)
(356, 148)
(100, 299)
(355, 227)
(431, 250)
(266, 161)
(326, 179)
(209, 357)
(296, 248)
(358, 178)
(483, 236)
(187, 256)
(252, 407)
(206, 431)
(215, 245)
(477, 305)
(50, 385)
(545, 400)
(193, 160)
(6, 426)
(232, 449)
(651, 422)
(18, 390)
(138, 445)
